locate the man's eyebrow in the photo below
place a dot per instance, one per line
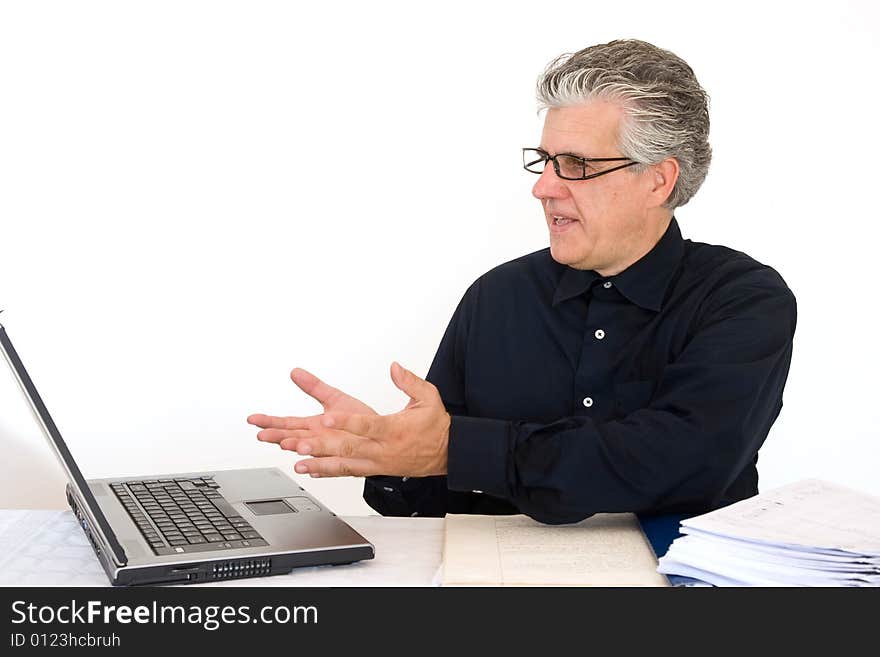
(586, 157)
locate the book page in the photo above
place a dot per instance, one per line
(603, 550)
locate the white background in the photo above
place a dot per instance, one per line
(195, 197)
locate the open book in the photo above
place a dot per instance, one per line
(603, 550)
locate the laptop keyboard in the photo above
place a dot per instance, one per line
(185, 515)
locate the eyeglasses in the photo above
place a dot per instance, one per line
(567, 166)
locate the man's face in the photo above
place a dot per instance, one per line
(607, 227)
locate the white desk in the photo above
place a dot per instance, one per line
(48, 548)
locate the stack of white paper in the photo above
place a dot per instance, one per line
(810, 533)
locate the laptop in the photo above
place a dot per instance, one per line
(193, 527)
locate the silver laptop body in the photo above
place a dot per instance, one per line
(196, 526)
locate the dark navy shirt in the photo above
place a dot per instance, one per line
(572, 394)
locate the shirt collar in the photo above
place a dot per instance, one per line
(644, 282)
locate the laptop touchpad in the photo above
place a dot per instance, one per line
(268, 507)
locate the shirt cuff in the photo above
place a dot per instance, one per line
(478, 455)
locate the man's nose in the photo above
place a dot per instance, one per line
(549, 185)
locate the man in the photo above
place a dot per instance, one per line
(622, 369)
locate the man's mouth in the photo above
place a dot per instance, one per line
(559, 220)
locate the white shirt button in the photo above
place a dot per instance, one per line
(606, 284)
(478, 492)
(599, 334)
(588, 401)
(402, 479)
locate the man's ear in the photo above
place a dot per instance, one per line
(664, 175)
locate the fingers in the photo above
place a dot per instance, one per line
(368, 426)
(333, 443)
(336, 467)
(323, 442)
(276, 422)
(277, 429)
(280, 435)
(312, 385)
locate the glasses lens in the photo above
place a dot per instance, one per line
(533, 160)
(571, 166)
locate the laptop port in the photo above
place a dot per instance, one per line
(191, 569)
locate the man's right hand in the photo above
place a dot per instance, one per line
(276, 428)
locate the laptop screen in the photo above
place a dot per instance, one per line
(55, 439)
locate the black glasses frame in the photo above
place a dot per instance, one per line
(544, 156)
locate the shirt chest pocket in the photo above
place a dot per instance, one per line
(632, 396)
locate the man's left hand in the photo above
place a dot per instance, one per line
(412, 442)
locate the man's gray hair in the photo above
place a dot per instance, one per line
(666, 111)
